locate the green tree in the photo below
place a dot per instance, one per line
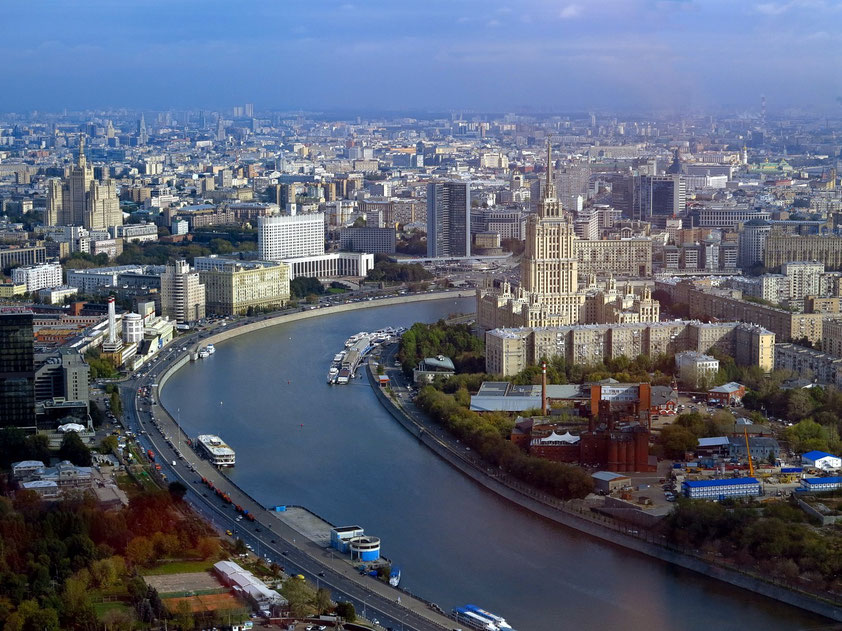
(140, 551)
(184, 616)
(300, 595)
(346, 611)
(322, 601)
(73, 449)
(108, 445)
(676, 440)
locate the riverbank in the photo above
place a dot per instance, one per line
(583, 520)
(432, 617)
(242, 329)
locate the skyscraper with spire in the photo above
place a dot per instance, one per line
(142, 133)
(81, 200)
(549, 291)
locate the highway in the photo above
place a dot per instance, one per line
(270, 538)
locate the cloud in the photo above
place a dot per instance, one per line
(773, 8)
(570, 11)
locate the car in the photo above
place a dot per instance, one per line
(285, 553)
(321, 574)
(272, 541)
(229, 533)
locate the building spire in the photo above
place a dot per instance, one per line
(549, 170)
(81, 161)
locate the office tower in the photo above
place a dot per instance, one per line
(649, 197)
(572, 185)
(285, 236)
(142, 135)
(224, 178)
(220, 129)
(249, 110)
(182, 293)
(753, 242)
(82, 200)
(448, 219)
(17, 368)
(62, 374)
(368, 239)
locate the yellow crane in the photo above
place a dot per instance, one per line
(748, 453)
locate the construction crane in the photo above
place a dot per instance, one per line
(748, 453)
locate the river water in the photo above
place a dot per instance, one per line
(336, 451)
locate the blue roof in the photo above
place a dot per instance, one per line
(722, 482)
(792, 469)
(832, 480)
(815, 455)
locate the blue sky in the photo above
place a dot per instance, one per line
(488, 55)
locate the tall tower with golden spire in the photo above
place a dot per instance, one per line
(549, 271)
(80, 162)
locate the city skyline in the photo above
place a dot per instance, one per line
(670, 56)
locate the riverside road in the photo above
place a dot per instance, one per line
(270, 538)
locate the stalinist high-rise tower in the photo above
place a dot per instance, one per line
(81, 200)
(549, 291)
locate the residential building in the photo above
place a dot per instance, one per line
(286, 236)
(805, 278)
(182, 293)
(234, 287)
(781, 247)
(36, 277)
(753, 242)
(510, 350)
(817, 366)
(696, 368)
(367, 239)
(17, 368)
(448, 219)
(617, 257)
(729, 305)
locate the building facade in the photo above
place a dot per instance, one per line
(510, 350)
(36, 277)
(182, 293)
(287, 236)
(17, 369)
(234, 287)
(367, 239)
(448, 219)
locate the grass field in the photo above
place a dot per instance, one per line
(179, 567)
(210, 602)
(101, 608)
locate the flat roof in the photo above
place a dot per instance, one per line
(720, 482)
(831, 480)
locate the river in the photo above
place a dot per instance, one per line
(335, 450)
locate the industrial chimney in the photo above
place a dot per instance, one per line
(544, 388)
(112, 322)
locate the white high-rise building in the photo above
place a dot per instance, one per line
(182, 295)
(753, 242)
(284, 236)
(35, 277)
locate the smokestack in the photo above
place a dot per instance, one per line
(544, 388)
(112, 322)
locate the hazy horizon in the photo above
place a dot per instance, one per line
(670, 56)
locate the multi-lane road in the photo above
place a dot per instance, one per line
(269, 537)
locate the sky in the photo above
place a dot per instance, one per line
(413, 55)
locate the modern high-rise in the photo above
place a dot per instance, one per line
(82, 200)
(182, 293)
(753, 242)
(17, 368)
(448, 219)
(233, 287)
(368, 239)
(288, 236)
(649, 197)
